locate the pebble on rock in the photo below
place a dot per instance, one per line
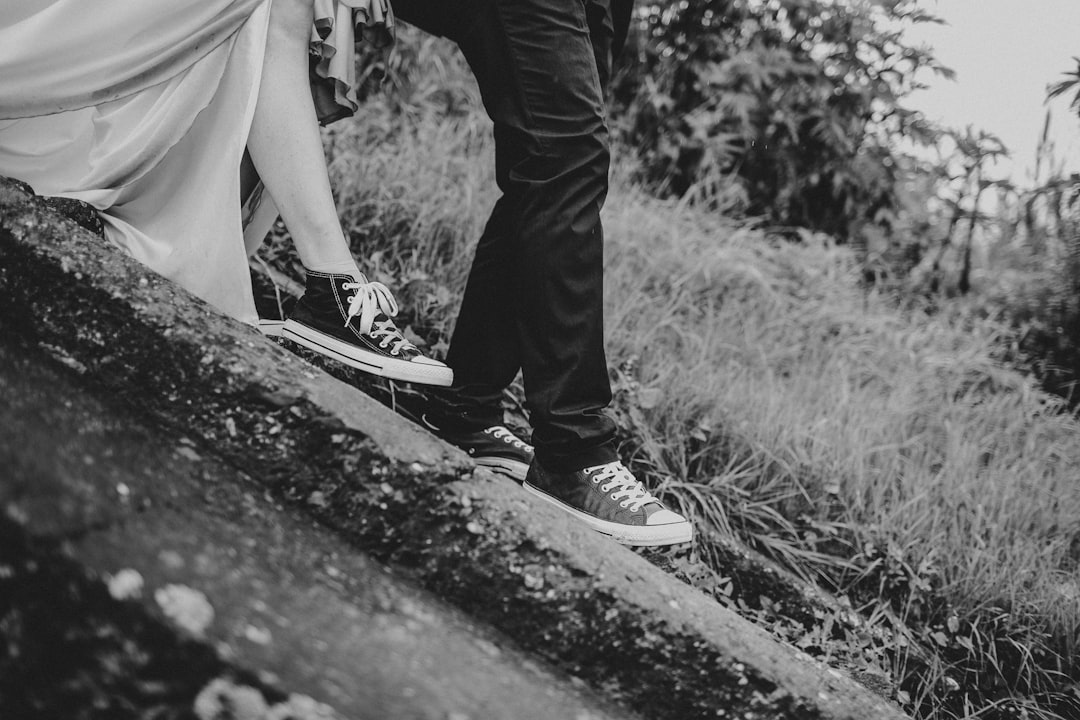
(126, 584)
(186, 607)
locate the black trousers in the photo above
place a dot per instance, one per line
(534, 297)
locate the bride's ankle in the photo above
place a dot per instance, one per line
(341, 267)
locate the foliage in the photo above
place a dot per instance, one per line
(1071, 82)
(988, 247)
(939, 216)
(797, 101)
(1030, 277)
(1045, 223)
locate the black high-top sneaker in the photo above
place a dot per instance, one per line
(610, 500)
(349, 319)
(494, 446)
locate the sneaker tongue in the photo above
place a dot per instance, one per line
(406, 348)
(652, 506)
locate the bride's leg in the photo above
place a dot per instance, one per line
(286, 147)
(340, 314)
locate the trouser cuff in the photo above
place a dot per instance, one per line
(562, 462)
(449, 410)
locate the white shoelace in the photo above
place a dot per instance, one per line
(501, 432)
(615, 476)
(370, 299)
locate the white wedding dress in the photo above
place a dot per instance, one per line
(142, 108)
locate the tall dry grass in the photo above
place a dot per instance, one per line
(828, 400)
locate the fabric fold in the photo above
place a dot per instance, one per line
(339, 26)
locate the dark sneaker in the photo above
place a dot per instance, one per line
(496, 447)
(348, 318)
(610, 500)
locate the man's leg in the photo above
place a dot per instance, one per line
(470, 415)
(535, 295)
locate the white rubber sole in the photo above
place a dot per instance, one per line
(271, 328)
(636, 535)
(513, 469)
(426, 373)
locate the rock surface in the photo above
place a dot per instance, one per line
(159, 551)
(326, 451)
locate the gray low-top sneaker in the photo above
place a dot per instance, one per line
(609, 499)
(349, 319)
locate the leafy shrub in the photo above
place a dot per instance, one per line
(798, 101)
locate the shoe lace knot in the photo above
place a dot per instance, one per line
(614, 477)
(370, 300)
(501, 432)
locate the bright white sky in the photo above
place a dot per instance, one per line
(1005, 53)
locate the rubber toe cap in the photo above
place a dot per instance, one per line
(665, 517)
